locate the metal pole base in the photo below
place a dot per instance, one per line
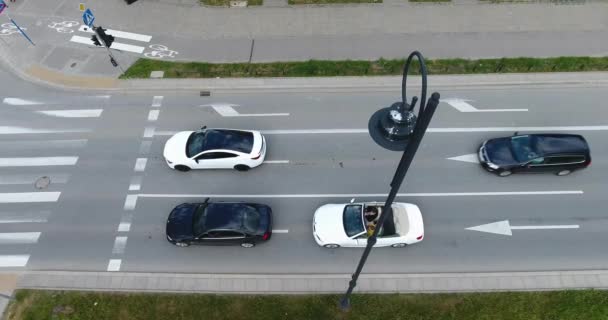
(345, 304)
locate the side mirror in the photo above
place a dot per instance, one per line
(352, 200)
(515, 133)
(203, 127)
(206, 200)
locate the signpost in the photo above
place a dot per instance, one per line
(100, 38)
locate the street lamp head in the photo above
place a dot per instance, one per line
(392, 127)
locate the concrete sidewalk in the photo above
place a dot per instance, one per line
(311, 283)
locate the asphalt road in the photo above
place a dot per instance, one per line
(97, 218)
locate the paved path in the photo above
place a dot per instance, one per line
(186, 31)
(310, 283)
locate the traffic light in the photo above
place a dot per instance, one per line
(95, 40)
(107, 38)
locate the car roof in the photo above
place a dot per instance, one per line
(229, 139)
(556, 143)
(227, 215)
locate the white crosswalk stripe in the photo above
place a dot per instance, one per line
(115, 45)
(120, 34)
(38, 161)
(14, 260)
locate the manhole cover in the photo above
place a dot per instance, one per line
(42, 182)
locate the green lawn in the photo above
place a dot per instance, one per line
(317, 68)
(331, 1)
(555, 305)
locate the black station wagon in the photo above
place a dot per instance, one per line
(556, 153)
(219, 223)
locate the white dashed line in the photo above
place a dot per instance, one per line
(149, 132)
(140, 164)
(135, 184)
(14, 260)
(130, 202)
(124, 227)
(280, 231)
(114, 264)
(153, 115)
(157, 101)
(119, 245)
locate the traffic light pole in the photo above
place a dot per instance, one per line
(103, 42)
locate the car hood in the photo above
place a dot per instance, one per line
(175, 147)
(499, 151)
(179, 223)
(328, 224)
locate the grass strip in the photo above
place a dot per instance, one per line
(226, 3)
(324, 68)
(563, 305)
(331, 1)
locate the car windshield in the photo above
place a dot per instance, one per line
(524, 148)
(353, 220)
(198, 220)
(195, 144)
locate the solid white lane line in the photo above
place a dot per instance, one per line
(314, 131)
(362, 195)
(24, 217)
(144, 148)
(20, 102)
(124, 227)
(120, 34)
(130, 202)
(135, 184)
(114, 265)
(31, 178)
(115, 45)
(153, 115)
(119, 245)
(280, 231)
(24, 130)
(29, 197)
(81, 113)
(276, 161)
(19, 237)
(14, 260)
(140, 164)
(40, 144)
(38, 161)
(563, 226)
(149, 132)
(157, 101)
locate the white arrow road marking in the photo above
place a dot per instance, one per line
(19, 237)
(80, 113)
(115, 45)
(14, 260)
(23, 130)
(19, 102)
(504, 228)
(462, 105)
(120, 34)
(472, 158)
(227, 110)
(38, 161)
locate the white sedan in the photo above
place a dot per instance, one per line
(215, 149)
(345, 225)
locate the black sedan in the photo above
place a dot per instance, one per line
(219, 223)
(556, 153)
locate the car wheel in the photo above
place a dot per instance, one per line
(247, 245)
(399, 245)
(564, 173)
(241, 167)
(182, 168)
(331, 246)
(182, 244)
(505, 173)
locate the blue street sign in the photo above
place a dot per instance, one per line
(88, 18)
(2, 5)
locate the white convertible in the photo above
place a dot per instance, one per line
(345, 225)
(215, 149)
